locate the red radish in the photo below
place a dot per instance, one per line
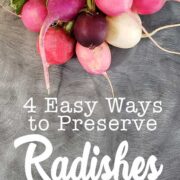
(147, 6)
(114, 7)
(63, 10)
(33, 14)
(95, 61)
(59, 46)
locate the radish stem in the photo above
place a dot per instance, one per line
(91, 5)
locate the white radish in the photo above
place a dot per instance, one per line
(123, 31)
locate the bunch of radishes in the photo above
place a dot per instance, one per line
(85, 27)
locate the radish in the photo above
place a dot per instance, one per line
(147, 6)
(114, 7)
(123, 31)
(95, 61)
(59, 46)
(90, 29)
(33, 14)
(63, 10)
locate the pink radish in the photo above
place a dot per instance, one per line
(59, 46)
(33, 14)
(95, 61)
(114, 7)
(147, 6)
(63, 10)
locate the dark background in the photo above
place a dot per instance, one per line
(141, 73)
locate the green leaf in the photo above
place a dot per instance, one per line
(17, 5)
(68, 26)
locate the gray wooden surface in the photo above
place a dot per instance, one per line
(141, 73)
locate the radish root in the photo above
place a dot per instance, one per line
(156, 43)
(148, 35)
(160, 29)
(110, 84)
(42, 34)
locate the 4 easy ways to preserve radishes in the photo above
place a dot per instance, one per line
(93, 24)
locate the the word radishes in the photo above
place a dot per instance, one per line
(33, 14)
(90, 29)
(59, 46)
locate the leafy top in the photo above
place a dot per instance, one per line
(17, 5)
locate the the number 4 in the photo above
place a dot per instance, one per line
(30, 105)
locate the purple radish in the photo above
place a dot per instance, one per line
(95, 61)
(90, 29)
(64, 10)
